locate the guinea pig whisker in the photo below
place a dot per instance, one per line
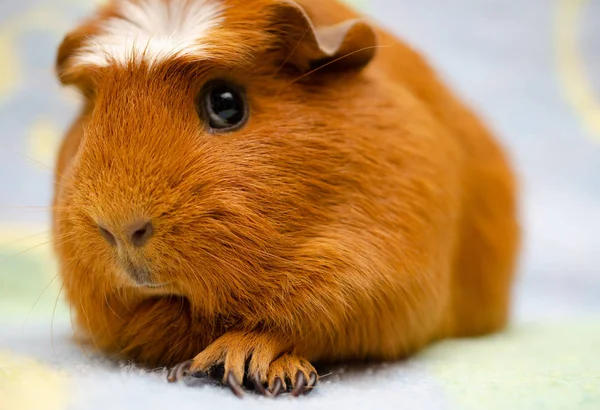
(44, 207)
(25, 238)
(29, 209)
(87, 319)
(183, 261)
(70, 279)
(104, 319)
(292, 52)
(39, 297)
(110, 307)
(23, 252)
(60, 239)
(52, 320)
(28, 158)
(335, 61)
(38, 163)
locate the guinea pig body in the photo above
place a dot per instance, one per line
(357, 209)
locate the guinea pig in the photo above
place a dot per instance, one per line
(262, 185)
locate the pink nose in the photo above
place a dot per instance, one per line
(137, 233)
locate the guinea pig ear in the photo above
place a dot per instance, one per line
(67, 72)
(349, 44)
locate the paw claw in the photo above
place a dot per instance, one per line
(277, 387)
(300, 384)
(259, 387)
(311, 383)
(179, 371)
(234, 385)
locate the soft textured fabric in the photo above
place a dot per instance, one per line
(532, 69)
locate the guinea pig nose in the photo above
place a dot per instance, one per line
(139, 232)
(108, 236)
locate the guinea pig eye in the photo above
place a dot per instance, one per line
(223, 105)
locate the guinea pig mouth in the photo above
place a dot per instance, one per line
(141, 276)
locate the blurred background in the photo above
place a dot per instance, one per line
(530, 68)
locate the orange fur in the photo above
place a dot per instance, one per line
(362, 213)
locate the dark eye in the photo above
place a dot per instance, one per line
(223, 105)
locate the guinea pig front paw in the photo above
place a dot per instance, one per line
(269, 365)
(301, 375)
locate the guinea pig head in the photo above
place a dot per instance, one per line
(211, 142)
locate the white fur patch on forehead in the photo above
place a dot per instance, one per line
(152, 31)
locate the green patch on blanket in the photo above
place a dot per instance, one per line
(531, 366)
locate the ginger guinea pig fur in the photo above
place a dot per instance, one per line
(266, 184)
